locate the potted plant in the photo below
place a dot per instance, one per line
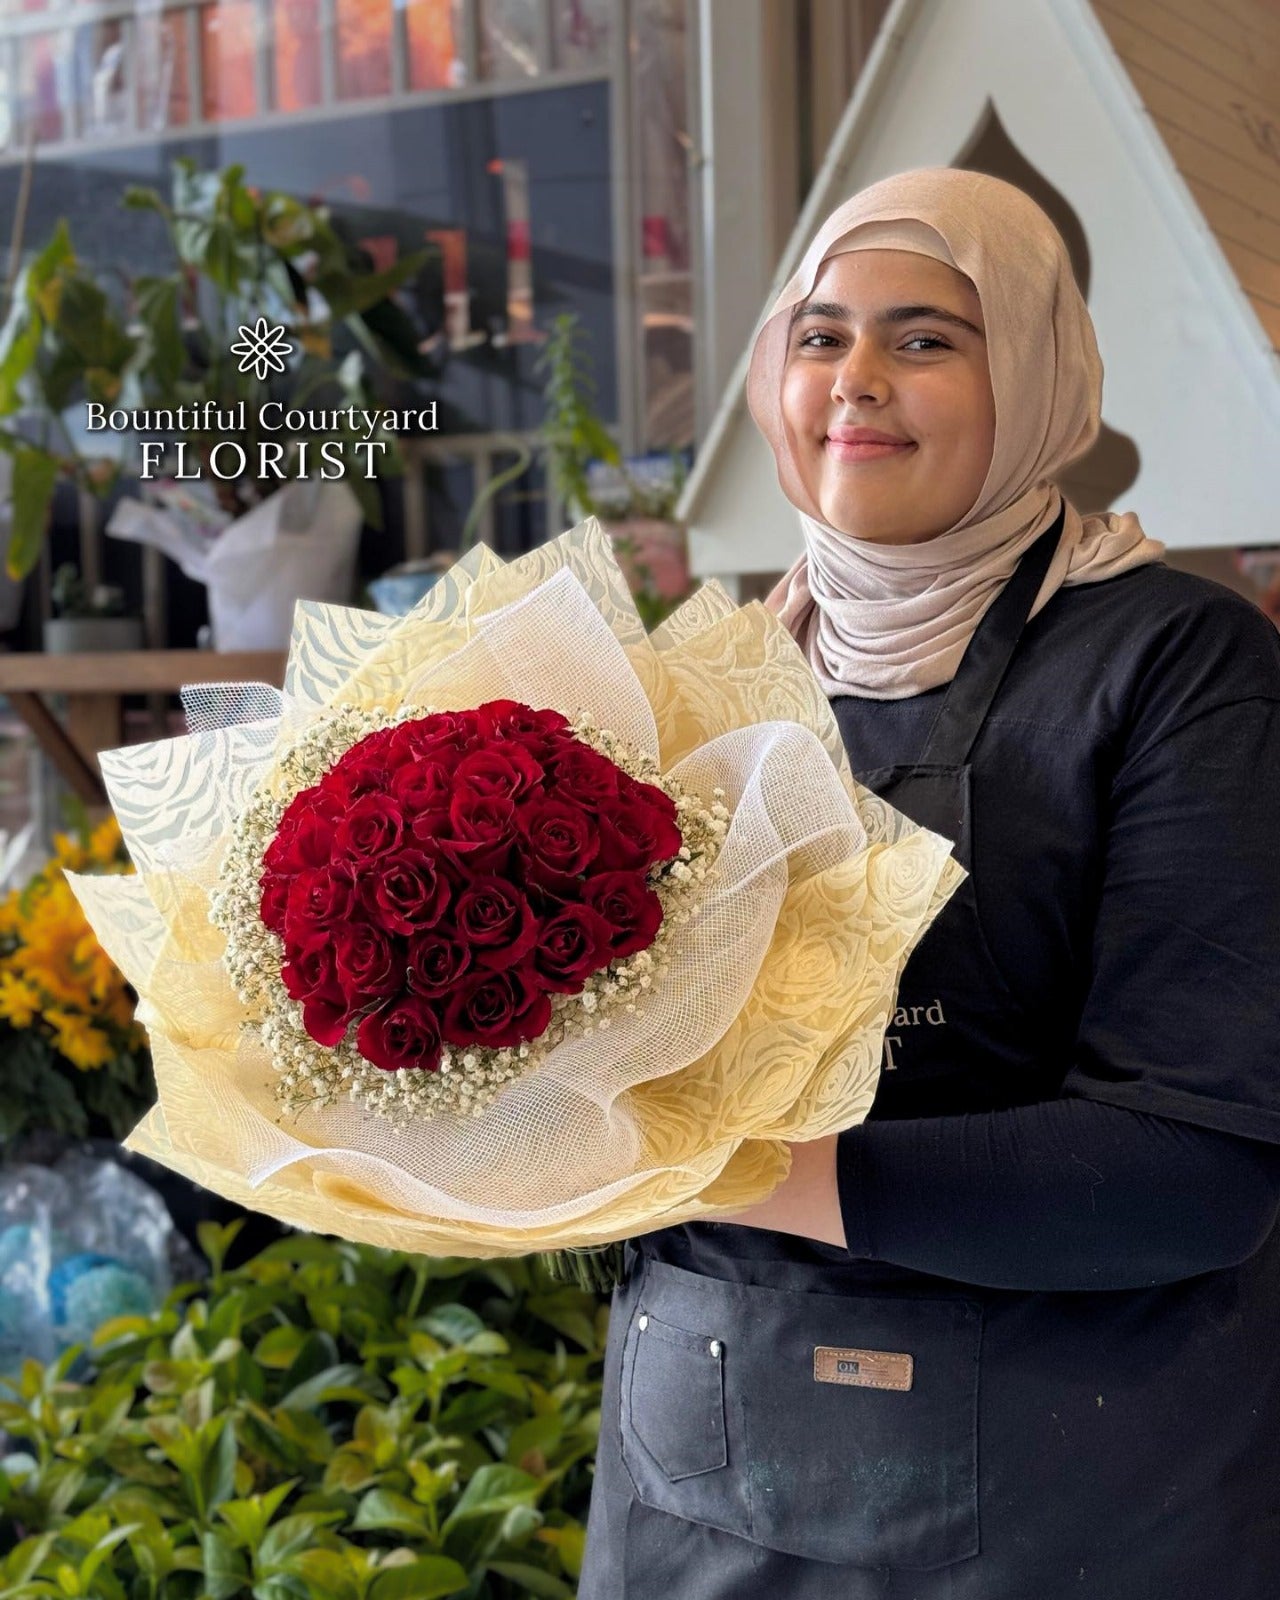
(88, 619)
(241, 256)
(635, 498)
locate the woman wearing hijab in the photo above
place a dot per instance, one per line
(1016, 1336)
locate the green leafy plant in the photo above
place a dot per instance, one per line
(72, 597)
(573, 433)
(325, 1422)
(239, 254)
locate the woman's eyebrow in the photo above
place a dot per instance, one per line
(835, 311)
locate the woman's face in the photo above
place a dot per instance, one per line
(886, 396)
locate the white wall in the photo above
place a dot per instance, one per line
(1190, 375)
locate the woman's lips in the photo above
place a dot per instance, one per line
(866, 449)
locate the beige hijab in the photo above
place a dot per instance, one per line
(887, 621)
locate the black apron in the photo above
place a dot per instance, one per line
(924, 1074)
(827, 1420)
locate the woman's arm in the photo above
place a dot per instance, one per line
(1072, 1194)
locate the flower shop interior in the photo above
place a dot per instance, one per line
(497, 263)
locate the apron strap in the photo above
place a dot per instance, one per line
(986, 659)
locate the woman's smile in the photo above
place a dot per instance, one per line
(865, 444)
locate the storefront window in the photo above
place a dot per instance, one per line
(661, 140)
(228, 53)
(299, 59)
(583, 33)
(364, 49)
(433, 28)
(509, 43)
(515, 188)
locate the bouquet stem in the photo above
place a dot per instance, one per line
(598, 1269)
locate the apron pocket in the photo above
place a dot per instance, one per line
(680, 1374)
(837, 1428)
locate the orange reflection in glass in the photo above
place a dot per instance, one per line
(433, 48)
(299, 74)
(228, 48)
(364, 48)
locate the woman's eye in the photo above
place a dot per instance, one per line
(806, 341)
(926, 341)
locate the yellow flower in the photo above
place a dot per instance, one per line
(105, 845)
(83, 1045)
(19, 1001)
(68, 852)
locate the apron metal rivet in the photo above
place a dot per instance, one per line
(644, 1323)
(714, 1347)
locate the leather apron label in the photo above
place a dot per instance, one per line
(866, 1369)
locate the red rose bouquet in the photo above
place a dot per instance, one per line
(453, 895)
(506, 926)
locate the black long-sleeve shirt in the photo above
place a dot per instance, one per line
(1071, 1194)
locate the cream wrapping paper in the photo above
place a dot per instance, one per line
(766, 1027)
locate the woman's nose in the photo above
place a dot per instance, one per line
(861, 375)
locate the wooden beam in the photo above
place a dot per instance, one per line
(58, 746)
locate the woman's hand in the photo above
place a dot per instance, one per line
(807, 1201)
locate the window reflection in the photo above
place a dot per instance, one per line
(228, 54)
(364, 49)
(509, 46)
(582, 33)
(299, 55)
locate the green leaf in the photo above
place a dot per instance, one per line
(349, 293)
(248, 1518)
(428, 1578)
(493, 1489)
(569, 1543)
(533, 1579)
(381, 1508)
(225, 1569)
(217, 1475)
(290, 1535)
(343, 1382)
(454, 1324)
(34, 475)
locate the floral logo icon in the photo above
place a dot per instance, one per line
(261, 348)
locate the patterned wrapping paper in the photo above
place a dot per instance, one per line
(766, 1028)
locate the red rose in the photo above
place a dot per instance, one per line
(495, 922)
(512, 719)
(431, 828)
(364, 769)
(648, 794)
(629, 906)
(436, 963)
(502, 772)
(369, 964)
(275, 896)
(496, 1009)
(421, 785)
(560, 837)
(371, 826)
(405, 892)
(304, 837)
(319, 898)
(440, 736)
(310, 975)
(635, 835)
(590, 778)
(403, 1033)
(571, 946)
(481, 833)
